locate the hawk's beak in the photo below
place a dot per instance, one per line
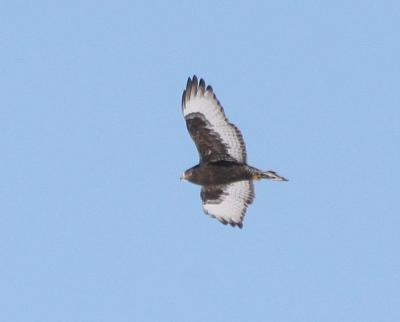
(183, 177)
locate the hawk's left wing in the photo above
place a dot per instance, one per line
(215, 137)
(228, 203)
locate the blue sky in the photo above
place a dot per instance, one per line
(94, 222)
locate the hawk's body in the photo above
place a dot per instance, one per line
(219, 172)
(226, 178)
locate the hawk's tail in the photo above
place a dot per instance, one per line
(272, 175)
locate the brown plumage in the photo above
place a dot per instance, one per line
(223, 173)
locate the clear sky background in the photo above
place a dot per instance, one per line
(94, 222)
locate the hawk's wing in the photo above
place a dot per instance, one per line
(216, 139)
(228, 203)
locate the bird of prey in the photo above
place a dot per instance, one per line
(226, 179)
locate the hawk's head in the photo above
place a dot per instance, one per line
(187, 175)
(191, 174)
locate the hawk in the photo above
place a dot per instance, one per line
(226, 179)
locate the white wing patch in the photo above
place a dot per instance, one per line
(230, 206)
(199, 99)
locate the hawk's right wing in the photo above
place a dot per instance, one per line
(228, 203)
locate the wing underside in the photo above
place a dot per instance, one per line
(215, 137)
(228, 203)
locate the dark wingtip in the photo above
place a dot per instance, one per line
(194, 83)
(236, 224)
(202, 86)
(191, 86)
(188, 84)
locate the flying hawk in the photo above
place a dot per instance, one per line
(225, 177)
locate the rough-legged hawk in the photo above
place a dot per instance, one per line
(225, 177)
